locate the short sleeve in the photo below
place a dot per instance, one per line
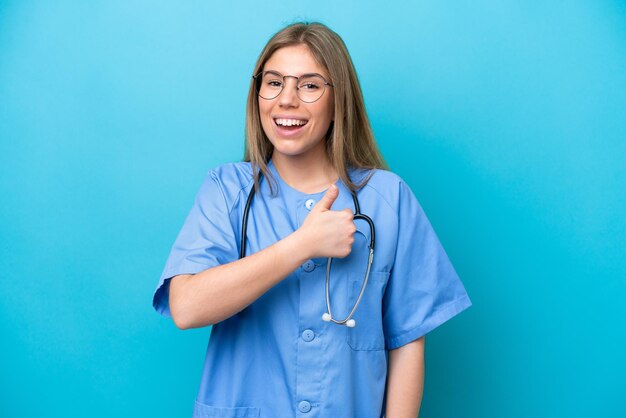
(424, 290)
(207, 239)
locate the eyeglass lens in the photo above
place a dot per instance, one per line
(309, 88)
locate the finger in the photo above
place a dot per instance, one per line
(328, 199)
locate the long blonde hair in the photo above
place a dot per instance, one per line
(350, 141)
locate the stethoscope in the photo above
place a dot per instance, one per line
(328, 316)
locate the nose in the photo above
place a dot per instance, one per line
(289, 96)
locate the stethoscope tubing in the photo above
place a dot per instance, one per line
(348, 318)
(328, 317)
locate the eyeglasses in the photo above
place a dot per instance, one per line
(309, 87)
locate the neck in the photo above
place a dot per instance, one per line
(309, 173)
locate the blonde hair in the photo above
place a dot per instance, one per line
(350, 141)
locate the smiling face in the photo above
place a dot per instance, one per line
(295, 128)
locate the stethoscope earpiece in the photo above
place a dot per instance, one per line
(350, 323)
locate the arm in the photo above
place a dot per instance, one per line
(405, 382)
(219, 292)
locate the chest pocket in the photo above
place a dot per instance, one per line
(206, 411)
(368, 333)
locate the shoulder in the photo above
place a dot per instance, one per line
(239, 173)
(381, 179)
(388, 185)
(229, 180)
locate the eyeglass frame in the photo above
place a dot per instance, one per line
(326, 83)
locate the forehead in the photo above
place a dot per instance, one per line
(294, 60)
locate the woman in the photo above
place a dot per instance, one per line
(309, 146)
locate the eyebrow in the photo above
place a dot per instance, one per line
(301, 75)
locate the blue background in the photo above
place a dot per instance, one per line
(505, 117)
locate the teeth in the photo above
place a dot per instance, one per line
(290, 122)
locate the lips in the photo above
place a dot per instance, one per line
(289, 122)
(288, 127)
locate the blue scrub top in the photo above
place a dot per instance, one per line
(277, 358)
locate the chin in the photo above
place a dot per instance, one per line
(289, 152)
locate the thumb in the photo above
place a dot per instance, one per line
(329, 197)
